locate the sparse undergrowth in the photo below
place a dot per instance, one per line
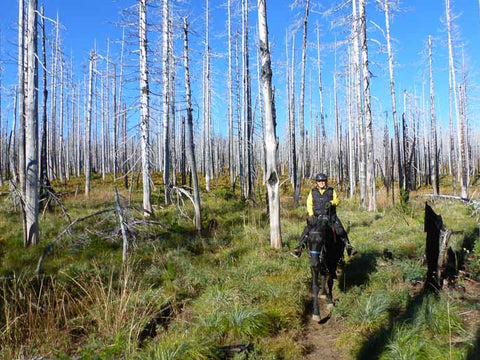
(185, 295)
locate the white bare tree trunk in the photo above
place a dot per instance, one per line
(433, 126)
(393, 93)
(61, 150)
(207, 103)
(190, 144)
(52, 168)
(88, 126)
(103, 100)
(372, 204)
(292, 125)
(271, 142)
(338, 127)
(116, 114)
(231, 158)
(301, 110)
(21, 96)
(322, 113)
(460, 128)
(359, 111)
(144, 109)
(31, 235)
(166, 100)
(351, 128)
(247, 105)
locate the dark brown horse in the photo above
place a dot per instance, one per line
(325, 252)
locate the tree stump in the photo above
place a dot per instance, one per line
(433, 226)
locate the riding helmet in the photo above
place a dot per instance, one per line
(321, 177)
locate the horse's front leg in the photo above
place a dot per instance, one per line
(323, 295)
(315, 289)
(330, 302)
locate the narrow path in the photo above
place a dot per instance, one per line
(320, 337)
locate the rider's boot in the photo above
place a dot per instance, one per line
(350, 249)
(297, 251)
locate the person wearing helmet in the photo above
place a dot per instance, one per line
(323, 201)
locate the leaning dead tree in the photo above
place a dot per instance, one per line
(271, 142)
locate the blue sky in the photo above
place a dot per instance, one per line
(87, 22)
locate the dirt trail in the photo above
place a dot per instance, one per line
(319, 339)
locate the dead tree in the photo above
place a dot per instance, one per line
(31, 207)
(271, 142)
(460, 128)
(393, 94)
(433, 226)
(433, 127)
(231, 147)
(372, 204)
(21, 96)
(44, 181)
(144, 108)
(166, 100)
(301, 115)
(88, 126)
(190, 144)
(358, 104)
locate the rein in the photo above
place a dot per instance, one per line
(334, 234)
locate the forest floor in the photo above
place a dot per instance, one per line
(259, 296)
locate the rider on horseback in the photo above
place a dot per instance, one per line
(322, 202)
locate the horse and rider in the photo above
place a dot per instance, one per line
(322, 202)
(325, 238)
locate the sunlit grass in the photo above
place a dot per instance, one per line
(225, 285)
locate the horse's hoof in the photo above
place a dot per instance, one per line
(316, 317)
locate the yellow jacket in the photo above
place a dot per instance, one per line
(334, 202)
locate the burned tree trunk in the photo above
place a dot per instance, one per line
(433, 226)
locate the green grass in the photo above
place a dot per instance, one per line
(224, 286)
